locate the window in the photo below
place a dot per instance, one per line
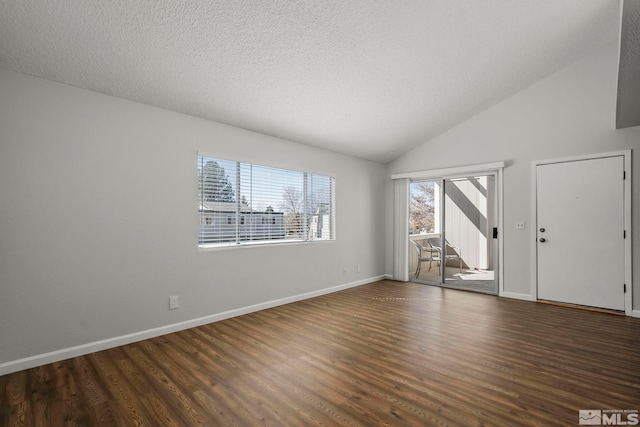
(424, 207)
(262, 204)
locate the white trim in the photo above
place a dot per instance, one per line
(401, 230)
(500, 178)
(623, 153)
(260, 244)
(533, 253)
(80, 350)
(635, 313)
(628, 242)
(448, 172)
(628, 260)
(514, 295)
(496, 169)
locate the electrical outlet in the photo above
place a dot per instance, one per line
(358, 268)
(520, 225)
(173, 302)
(344, 271)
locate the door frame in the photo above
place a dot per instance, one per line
(626, 154)
(496, 168)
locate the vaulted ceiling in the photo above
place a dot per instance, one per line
(368, 78)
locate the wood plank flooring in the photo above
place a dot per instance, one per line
(386, 353)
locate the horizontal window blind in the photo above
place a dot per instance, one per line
(243, 203)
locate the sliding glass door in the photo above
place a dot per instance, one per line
(453, 231)
(425, 216)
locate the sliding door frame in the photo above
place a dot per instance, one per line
(497, 169)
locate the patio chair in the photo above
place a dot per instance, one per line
(450, 252)
(429, 251)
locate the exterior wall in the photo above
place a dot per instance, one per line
(320, 227)
(216, 227)
(467, 223)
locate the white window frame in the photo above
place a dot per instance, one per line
(305, 236)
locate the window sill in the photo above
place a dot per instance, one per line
(258, 243)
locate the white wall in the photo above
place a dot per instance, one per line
(99, 223)
(569, 113)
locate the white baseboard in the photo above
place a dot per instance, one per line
(635, 313)
(80, 350)
(514, 295)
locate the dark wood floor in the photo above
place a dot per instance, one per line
(387, 353)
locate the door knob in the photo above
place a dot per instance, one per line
(542, 230)
(542, 240)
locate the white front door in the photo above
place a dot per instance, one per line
(580, 220)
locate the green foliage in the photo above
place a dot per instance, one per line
(214, 184)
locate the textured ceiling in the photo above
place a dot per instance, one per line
(369, 78)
